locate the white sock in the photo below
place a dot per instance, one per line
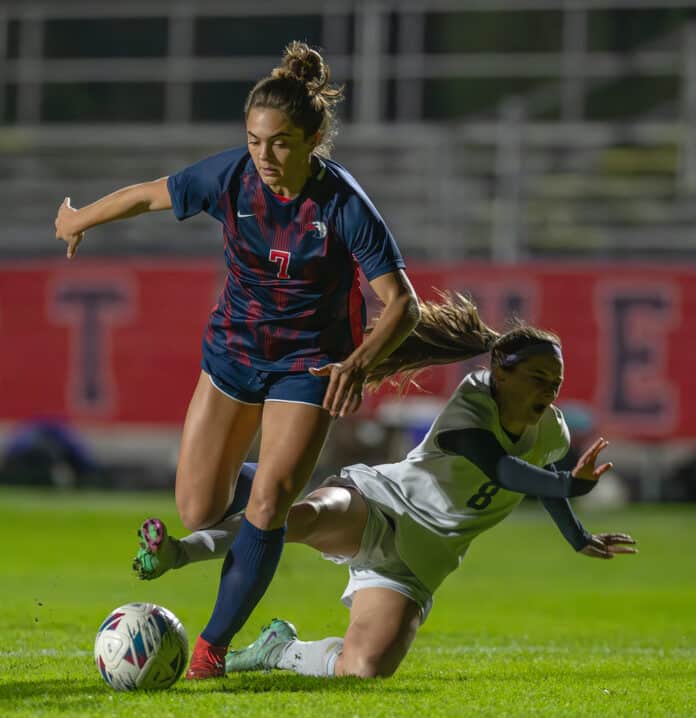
(311, 658)
(209, 543)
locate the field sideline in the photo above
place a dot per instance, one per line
(524, 628)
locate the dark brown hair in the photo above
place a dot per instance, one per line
(300, 88)
(519, 338)
(451, 330)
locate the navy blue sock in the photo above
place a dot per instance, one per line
(248, 569)
(242, 489)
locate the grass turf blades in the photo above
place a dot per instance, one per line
(525, 627)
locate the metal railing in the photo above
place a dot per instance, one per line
(507, 186)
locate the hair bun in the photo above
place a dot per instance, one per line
(300, 87)
(303, 63)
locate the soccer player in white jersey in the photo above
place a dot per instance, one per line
(403, 527)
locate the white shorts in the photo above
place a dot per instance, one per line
(377, 563)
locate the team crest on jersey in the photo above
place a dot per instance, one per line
(319, 227)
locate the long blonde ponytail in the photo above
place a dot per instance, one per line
(449, 330)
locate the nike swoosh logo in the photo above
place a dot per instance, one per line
(270, 637)
(239, 214)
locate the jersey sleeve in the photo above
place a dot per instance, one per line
(481, 448)
(198, 188)
(368, 238)
(568, 523)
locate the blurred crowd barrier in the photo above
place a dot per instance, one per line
(113, 346)
(503, 189)
(497, 129)
(528, 154)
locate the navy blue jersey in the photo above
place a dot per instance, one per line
(292, 298)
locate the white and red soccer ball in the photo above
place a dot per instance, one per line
(141, 645)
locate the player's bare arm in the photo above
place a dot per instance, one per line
(71, 223)
(397, 320)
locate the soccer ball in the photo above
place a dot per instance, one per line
(141, 645)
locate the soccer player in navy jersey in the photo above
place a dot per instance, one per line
(283, 351)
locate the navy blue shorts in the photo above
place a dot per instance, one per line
(251, 386)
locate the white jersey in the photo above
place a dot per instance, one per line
(439, 502)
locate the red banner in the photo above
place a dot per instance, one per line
(119, 341)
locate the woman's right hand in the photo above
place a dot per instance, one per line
(65, 227)
(609, 545)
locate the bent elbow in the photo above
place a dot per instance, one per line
(412, 310)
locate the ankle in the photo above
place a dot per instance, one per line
(203, 645)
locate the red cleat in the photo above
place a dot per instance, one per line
(207, 661)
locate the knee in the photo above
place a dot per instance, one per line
(269, 508)
(362, 665)
(196, 515)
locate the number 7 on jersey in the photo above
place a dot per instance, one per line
(283, 259)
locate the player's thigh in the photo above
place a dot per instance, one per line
(383, 624)
(216, 438)
(292, 436)
(331, 519)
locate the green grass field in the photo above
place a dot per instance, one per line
(525, 627)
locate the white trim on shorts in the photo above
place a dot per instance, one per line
(229, 396)
(374, 579)
(257, 403)
(295, 401)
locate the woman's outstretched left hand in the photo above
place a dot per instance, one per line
(585, 468)
(609, 545)
(344, 393)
